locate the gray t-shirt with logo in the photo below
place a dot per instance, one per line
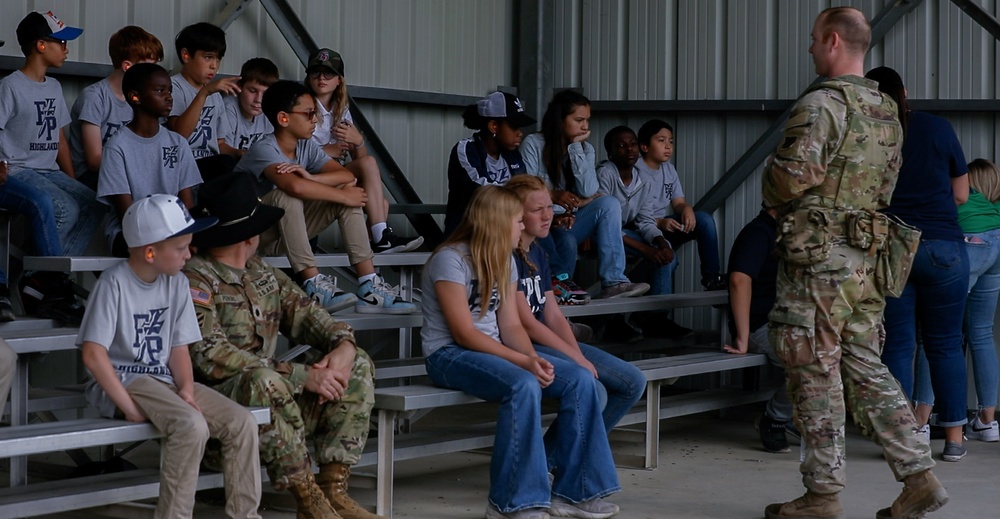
(139, 323)
(265, 152)
(666, 186)
(142, 166)
(96, 105)
(31, 115)
(204, 140)
(453, 263)
(236, 130)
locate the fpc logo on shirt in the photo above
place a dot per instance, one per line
(46, 121)
(203, 133)
(148, 344)
(170, 156)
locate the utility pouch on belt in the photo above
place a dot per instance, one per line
(803, 237)
(867, 230)
(895, 259)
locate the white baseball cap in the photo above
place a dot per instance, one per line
(159, 217)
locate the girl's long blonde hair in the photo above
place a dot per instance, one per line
(523, 185)
(338, 98)
(984, 176)
(486, 228)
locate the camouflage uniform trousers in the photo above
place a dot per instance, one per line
(825, 328)
(338, 428)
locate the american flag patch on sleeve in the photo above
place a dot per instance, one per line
(200, 297)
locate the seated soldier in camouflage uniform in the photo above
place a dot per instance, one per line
(242, 303)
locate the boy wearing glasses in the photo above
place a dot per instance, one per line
(295, 174)
(198, 95)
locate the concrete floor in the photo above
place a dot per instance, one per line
(709, 468)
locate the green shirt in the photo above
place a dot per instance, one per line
(977, 214)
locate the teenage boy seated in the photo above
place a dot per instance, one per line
(135, 336)
(242, 122)
(198, 95)
(33, 143)
(620, 178)
(314, 190)
(101, 110)
(656, 143)
(144, 158)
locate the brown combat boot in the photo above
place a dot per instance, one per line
(332, 480)
(312, 504)
(922, 493)
(809, 506)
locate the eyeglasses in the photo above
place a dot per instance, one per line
(311, 114)
(53, 40)
(327, 74)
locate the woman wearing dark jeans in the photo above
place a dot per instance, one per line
(932, 181)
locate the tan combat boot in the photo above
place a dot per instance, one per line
(809, 506)
(922, 493)
(332, 480)
(312, 504)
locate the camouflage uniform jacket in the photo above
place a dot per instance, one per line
(241, 313)
(841, 150)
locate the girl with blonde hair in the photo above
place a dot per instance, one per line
(474, 341)
(620, 383)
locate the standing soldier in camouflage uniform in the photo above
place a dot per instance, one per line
(836, 165)
(242, 304)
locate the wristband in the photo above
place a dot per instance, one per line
(359, 146)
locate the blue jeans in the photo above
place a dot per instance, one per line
(708, 243)
(980, 309)
(659, 277)
(23, 198)
(599, 220)
(518, 469)
(622, 383)
(779, 407)
(935, 297)
(76, 209)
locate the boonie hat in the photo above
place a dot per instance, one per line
(36, 26)
(501, 105)
(326, 58)
(233, 200)
(159, 217)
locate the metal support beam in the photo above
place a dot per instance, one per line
(303, 45)
(768, 141)
(233, 10)
(533, 47)
(983, 18)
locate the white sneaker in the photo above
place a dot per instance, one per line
(594, 509)
(977, 430)
(924, 434)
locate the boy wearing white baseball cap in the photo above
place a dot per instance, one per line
(135, 335)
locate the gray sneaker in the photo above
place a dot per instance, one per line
(593, 509)
(624, 289)
(953, 451)
(527, 513)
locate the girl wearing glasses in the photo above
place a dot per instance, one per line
(341, 140)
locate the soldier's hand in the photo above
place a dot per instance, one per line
(323, 382)
(340, 361)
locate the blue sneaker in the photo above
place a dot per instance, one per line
(375, 296)
(323, 289)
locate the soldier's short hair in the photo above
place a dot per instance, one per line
(850, 24)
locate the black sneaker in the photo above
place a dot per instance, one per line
(392, 243)
(716, 282)
(52, 295)
(772, 434)
(6, 309)
(619, 330)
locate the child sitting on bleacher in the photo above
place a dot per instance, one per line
(620, 383)
(474, 341)
(198, 95)
(32, 116)
(342, 141)
(295, 174)
(242, 123)
(144, 158)
(679, 221)
(135, 336)
(101, 109)
(562, 157)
